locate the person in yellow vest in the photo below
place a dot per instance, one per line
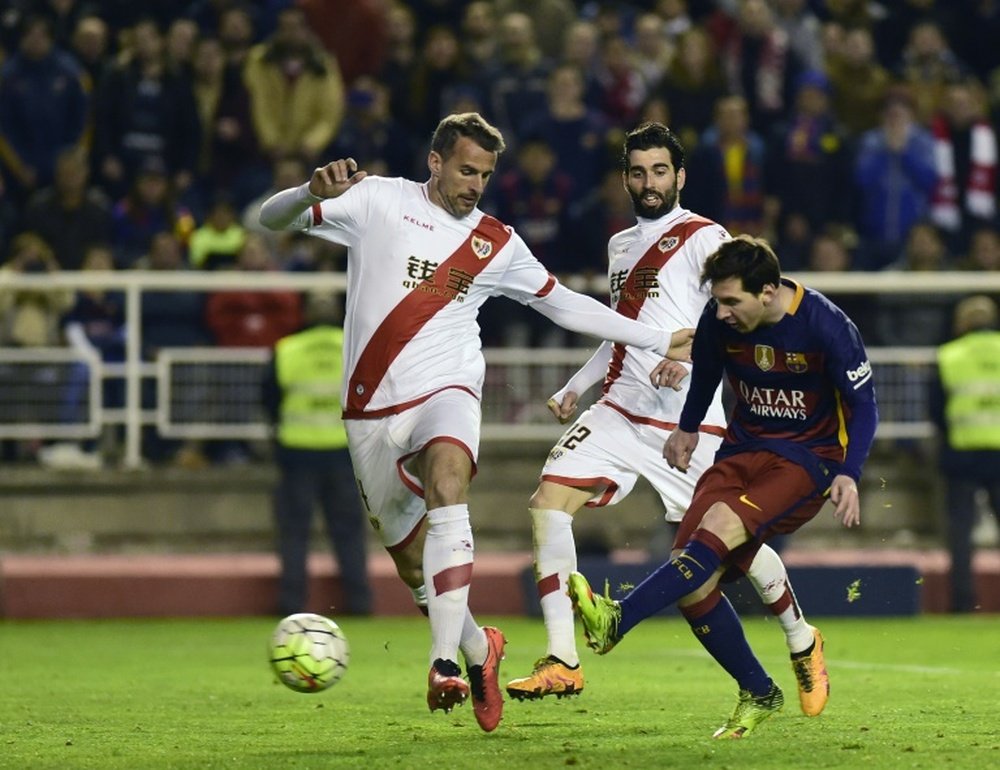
(301, 394)
(966, 406)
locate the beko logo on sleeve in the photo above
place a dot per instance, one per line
(861, 375)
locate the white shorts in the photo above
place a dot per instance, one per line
(381, 450)
(604, 449)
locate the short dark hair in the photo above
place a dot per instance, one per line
(750, 259)
(650, 135)
(471, 125)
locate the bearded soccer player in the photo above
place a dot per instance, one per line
(422, 259)
(655, 276)
(801, 430)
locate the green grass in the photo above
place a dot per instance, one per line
(109, 695)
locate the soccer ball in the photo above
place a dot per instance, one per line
(308, 652)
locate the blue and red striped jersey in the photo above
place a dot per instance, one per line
(805, 381)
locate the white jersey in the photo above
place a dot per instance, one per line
(655, 269)
(416, 279)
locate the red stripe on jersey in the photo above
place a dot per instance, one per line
(374, 414)
(317, 212)
(715, 430)
(417, 308)
(633, 293)
(547, 288)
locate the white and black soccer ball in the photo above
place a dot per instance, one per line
(308, 652)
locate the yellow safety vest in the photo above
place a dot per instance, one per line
(310, 368)
(970, 373)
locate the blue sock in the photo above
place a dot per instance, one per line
(720, 632)
(677, 578)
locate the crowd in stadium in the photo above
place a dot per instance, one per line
(855, 135)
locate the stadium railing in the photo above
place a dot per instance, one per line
(214, 393)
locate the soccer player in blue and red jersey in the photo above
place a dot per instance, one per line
(800, 432)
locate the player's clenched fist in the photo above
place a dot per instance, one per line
(565, 409)
(335, 178)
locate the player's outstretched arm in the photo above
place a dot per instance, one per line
(583, 314)
(283, 210)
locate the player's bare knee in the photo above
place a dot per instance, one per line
(723, 522)
(445, 489)
(558, 497)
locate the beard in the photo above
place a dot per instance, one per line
(666, 203)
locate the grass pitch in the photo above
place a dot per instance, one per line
(198, 694)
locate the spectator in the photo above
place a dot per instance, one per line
(807, 169)
(859, 82)
(965, 157)
(337, 24)
(984, 251)
(967, 412)
(578, 134)
(928, 67)
(95, 328)
(675, 17)
(802, 27)
(296, 90)
(179, 45)
(534, 198)
(829, 253)
(894, 177)
(252, 317)
(147, 209)
(693, 85)
(549, 20)
(516, 88)
(90, 45)
(759, 63)
(43, 109)
(726, 181)
(170, 319)
(401, 57)
(581, 46)
(301, 395)
(236, 34)
(216, 244)
(478, 34)
(622, 86)
(70, 215)
(143, 112)
(375, 138)
(654, 49)
(30, 318)
(229, 158)
(597, 214)
(916, 319)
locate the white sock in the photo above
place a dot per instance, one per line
(770, 580)
(448, 555)
(473, 643)
(420, 598)
(555, 558)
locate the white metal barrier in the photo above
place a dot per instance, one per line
(214, 393)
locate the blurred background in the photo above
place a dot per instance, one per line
(140, 299)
